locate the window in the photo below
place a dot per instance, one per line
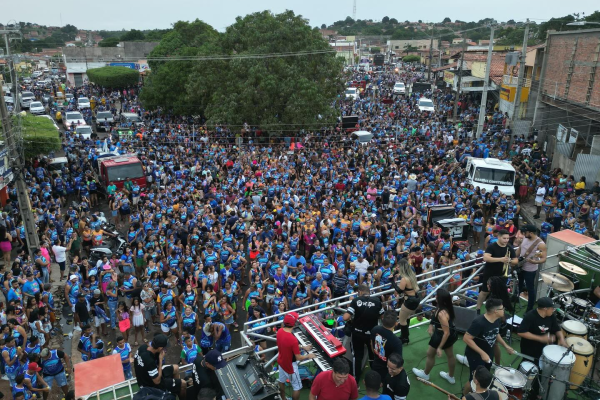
(396, 47)
(122, 172)
(494, 176)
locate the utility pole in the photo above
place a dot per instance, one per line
(12, 68)
(430, 56)
(488, 66)
(517, 104)
(458, 86)
(10, 141)
(33, 242)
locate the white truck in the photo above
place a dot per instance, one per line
(490, 172)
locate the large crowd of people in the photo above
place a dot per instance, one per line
(234, 225)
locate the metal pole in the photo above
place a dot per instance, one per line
(486, 85)
(541, 83)
(12, 69)
(460, 70)
(430, 56)
(517, 104)
(33, 243)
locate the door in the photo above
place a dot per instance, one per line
(78, 78)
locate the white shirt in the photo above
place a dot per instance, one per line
(60, 253)
(361, 267)
(539, 195)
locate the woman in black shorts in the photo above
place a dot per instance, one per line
(443, 336)
(407, 286)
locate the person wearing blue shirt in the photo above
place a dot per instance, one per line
(124, 350)
(296, 259)
(53, 369)
(31, 286)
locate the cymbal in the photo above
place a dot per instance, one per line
(572, 268)
(557, 281)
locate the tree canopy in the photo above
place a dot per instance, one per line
(109, 42)
(166, 85)
(113, 77)
(246, 80)
(269, 91)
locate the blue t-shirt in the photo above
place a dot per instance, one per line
(381, 397)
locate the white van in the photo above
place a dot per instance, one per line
(489, 172)
(363, 137)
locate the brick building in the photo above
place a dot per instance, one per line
(567, 112)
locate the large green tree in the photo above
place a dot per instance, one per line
(40, 135)
(166, 85)
(267, 82)
(113, 77)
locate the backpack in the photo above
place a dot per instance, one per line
(150, 393)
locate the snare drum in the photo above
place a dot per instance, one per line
(584, 352)
(580, 306)
(530, 371)
(558, 362)
(514, 381)
(574, 328)
(497, 386)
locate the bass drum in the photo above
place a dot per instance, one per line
(497, 386)
(584, 352)
(556, 361)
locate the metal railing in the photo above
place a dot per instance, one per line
(336, 304)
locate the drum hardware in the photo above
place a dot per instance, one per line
(513, 380)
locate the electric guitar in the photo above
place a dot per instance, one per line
(438, 388)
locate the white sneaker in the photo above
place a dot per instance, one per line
(420, 373)
(76, 328)
(447, 377)
(462, 359)
(5, 378)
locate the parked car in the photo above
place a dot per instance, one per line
(26, 98)
(104, 120)
(72, 118)
(83, 102)
(399, 88)
(426, 104)
(36, 74)
(37, 108)
(85, 131)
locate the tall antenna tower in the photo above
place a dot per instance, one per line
(354, 11)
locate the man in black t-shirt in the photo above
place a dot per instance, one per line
(150, 371)
(481, 337)
(203, 374)
(365, 312)
(396, 383)
(498, 257)
(384, 342)
(540, 328)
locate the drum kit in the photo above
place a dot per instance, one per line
(560, 369)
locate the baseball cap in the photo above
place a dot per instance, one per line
(290, 319)
(73, 277)
(160, 340)
(215, 358)
(529, 228)
(34, 367)
(455, 298)
(545, 302)
(97, 291)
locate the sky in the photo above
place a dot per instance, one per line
(160, 14)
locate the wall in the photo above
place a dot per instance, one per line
(559, 51)
(129, 51)
(420, 44)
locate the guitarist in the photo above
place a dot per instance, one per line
(482, 378)
(532, 251)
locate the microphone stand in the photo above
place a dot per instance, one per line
(551, 377)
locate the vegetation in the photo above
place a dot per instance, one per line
(109, 42)
(411, 58)
(113, 77)
(39, 135)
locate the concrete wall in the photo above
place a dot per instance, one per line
(564, 163)
(398, 46)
